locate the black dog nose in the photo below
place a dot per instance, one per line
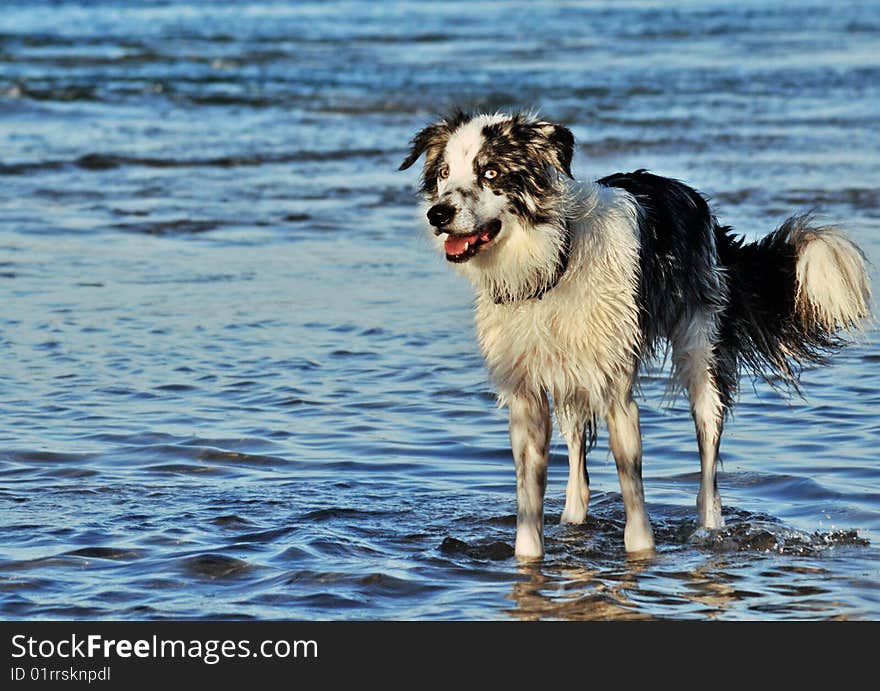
(440, 214)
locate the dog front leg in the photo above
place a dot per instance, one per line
(572, 423)
(625, 439)
(530, 430)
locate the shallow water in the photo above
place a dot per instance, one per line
(237, 383)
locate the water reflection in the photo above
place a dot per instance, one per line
(579, 582)
(569, 591)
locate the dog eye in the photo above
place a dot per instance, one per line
(443, 172)
(490, 173)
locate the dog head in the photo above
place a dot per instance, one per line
(494, 194)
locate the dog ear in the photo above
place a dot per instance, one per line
(434, 136)
(561, 142)
(431, 136)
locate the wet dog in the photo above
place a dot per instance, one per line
(577, 283)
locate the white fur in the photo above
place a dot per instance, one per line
(832, 288)
(529, 259)
(692, 355)
(579, 341)
(530, 441)
(577, 492)
(625, 440)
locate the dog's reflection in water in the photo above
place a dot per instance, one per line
(575, 593)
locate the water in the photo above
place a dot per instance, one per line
(237, 382)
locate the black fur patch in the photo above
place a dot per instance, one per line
(678, 261)
(527, 155)
(682, 245)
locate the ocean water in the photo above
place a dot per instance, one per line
(236, 382)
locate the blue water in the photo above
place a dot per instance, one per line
(236, 381)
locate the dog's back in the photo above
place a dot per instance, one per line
(772, 305)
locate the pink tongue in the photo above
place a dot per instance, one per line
(455, 243)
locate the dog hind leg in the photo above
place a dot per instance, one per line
(573, 423)
(696, 364)
(708, 422)
(625, 439)
(530, 430)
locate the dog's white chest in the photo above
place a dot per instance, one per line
(571, 344)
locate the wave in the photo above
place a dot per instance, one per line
(107, 161)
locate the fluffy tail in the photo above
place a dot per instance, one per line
(791, 294)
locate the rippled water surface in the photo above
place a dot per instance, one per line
(237, 383)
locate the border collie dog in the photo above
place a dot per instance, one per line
(576, 283)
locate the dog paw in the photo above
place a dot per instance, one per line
(573, 514)
(709, 512)
(638, 537)
(529, 545)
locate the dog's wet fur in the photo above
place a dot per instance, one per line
(578, 282)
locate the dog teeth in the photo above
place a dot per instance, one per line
(466, 245)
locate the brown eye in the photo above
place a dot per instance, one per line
(490, 173)
(443, 172)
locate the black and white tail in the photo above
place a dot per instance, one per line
(791, 294)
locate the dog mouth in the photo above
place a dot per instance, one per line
(460, 248)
